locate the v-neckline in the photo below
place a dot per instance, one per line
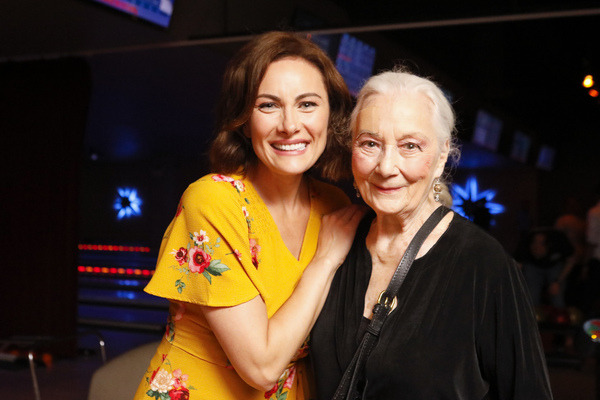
(309, 222)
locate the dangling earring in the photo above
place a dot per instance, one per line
(437, 189)
(356, 188)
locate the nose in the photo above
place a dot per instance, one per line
(290, 123)
(389, 161)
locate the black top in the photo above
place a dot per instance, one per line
(464, 327)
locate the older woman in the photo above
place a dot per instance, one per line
(463, 326)
(239, 262)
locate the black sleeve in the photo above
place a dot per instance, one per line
(508, 340)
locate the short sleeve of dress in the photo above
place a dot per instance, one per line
(205, 257)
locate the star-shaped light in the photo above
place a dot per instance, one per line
(127, 203)
(467, 197)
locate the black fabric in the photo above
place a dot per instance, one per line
(347, 388)
(464, 327)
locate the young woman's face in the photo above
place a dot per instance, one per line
(395, 153)
(288, 125)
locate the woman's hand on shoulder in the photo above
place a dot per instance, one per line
(337, 234)
(260, 347)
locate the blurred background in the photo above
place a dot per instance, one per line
(107, 107)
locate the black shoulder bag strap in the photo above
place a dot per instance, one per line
(347, 388)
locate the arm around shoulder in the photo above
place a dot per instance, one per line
(260, 348)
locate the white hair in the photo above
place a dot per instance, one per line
(398, 83)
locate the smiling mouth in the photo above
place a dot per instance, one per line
(289, 147)
(388, 189)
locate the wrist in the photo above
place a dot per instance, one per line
(326, 264)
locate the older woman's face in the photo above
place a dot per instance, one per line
(288, 125)
(396, 154)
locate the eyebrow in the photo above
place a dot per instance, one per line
(367, 132)
(378, 136)
(299, 97)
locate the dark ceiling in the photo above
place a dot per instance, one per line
(527, 58)
(524, 57)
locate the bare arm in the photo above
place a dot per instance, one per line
(260, 348)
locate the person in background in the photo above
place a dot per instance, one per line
(463, 326)
(546, 259)
(248, 259)
(572, 223)
(592, 265)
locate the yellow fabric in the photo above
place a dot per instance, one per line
(222, 249)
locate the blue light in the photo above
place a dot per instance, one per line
(467, 197)
(125, 294)
(127, 203)
(129, 282)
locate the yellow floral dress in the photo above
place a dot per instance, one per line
(222, 249)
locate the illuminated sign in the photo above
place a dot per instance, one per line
(127, 203)
(468, 201)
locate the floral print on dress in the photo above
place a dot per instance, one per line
(247, 216)
(170, 331)
(237, 254)
(240, 187)
(302, 351)
(165, 385)
(285, 381)
(237, 184)
(198, 259)
(200, 237)
(181, 255)
(254, 250)
(180, 208)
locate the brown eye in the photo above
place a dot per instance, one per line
(411, 146)
(369, 144)
(267, 106)
(308, 104)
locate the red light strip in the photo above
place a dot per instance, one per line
(115, 271)
(110, 247)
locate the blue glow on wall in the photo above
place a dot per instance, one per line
(127, 203)
(467, 200)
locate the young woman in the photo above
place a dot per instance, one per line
(241, 262)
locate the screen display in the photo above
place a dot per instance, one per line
(355, 60)
(156, 11)
(520, 147)
(487, 130)
(545, 159)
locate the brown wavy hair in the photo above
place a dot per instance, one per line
(231, 150)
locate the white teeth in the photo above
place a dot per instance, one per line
(290, 147)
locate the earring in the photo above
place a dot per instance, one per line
(437, 189)
(356, 188)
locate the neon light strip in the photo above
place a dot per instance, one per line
(105, 247)
(113, 271)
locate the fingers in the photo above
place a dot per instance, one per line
(350, 214)
(337, 232)
(357, 213)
